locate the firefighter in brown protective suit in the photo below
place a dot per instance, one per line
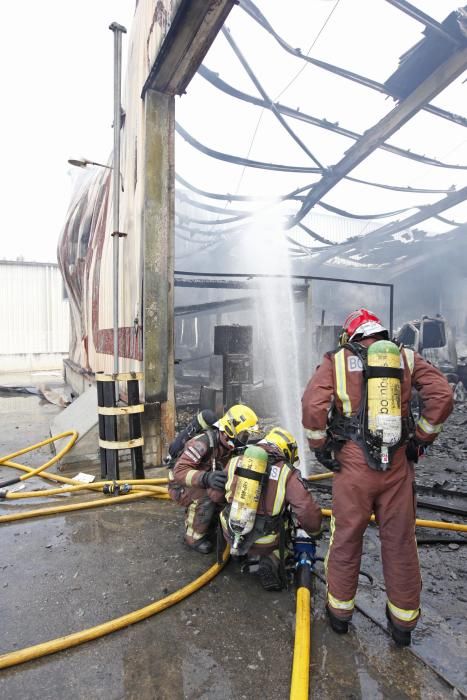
(197, 478)
(370, 477)
(282, 487)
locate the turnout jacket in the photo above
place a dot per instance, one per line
(339, 378)
(201, 453)
(284, 487)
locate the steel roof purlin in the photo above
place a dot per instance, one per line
(386, 127)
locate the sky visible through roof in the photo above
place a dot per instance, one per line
(58, 94)
(368, 38)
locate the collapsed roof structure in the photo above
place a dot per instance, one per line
(355, 162)
(428, 222)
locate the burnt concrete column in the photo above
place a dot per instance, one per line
(158, 267)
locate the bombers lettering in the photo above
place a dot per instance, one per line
(354, 364)
(384, 403)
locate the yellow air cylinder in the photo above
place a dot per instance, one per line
(247, 493)
(384, 396)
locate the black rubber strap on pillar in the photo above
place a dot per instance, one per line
(111, 432)
(135, 430)
(102, 450)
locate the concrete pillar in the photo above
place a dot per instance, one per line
(158, 288)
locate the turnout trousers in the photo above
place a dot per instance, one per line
(200, 510)
(359, 491)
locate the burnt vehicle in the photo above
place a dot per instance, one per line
(434, 339)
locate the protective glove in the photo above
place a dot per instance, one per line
(214, 480)
(415, 449)
(326, 458)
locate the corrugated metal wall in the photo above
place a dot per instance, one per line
(34, 316)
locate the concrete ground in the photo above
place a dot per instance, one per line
(228, 641)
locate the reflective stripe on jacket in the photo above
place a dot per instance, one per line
(197, 458)
(340, 377)
(284, 487)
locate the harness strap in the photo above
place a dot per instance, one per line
(250, 474)
(384, 372)
(212, 439)
(282, 572)
(347, 427)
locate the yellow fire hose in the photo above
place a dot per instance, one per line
(54, 510)
(150, 488)
(50, 462)
(66, 480)
(301, 653)
(436, 524)
(153, 488)
(72, 640)
(318, 477)
(146, 485)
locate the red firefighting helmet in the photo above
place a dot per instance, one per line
(361, 323)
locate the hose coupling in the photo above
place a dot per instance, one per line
(3, 493)
(115, 489)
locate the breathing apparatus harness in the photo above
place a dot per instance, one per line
(202, 422)
(248, 526)
(343, 428)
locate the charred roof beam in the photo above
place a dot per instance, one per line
(292, 195)
(423, 18)
(239, 160)
(384, 232)
(250, 8)
(425, 213)
(217, 82)
(191, 33)
(266, 99)
(384, 129)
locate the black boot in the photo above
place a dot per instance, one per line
(338, 625)
(203, 545)
(402, 637)
(269, 575)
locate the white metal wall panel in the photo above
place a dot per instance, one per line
(85, 248)
(33, 313)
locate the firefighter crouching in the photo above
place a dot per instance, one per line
(368, 382)
(197, 479)
(261, 484)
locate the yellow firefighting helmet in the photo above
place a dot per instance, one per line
(286, 443)
(238, 422)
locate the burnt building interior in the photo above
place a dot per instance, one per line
(283, 165)
(406, 264)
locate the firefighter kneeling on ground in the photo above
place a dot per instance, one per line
(261, 484)
(197, 478)
(369, 440)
